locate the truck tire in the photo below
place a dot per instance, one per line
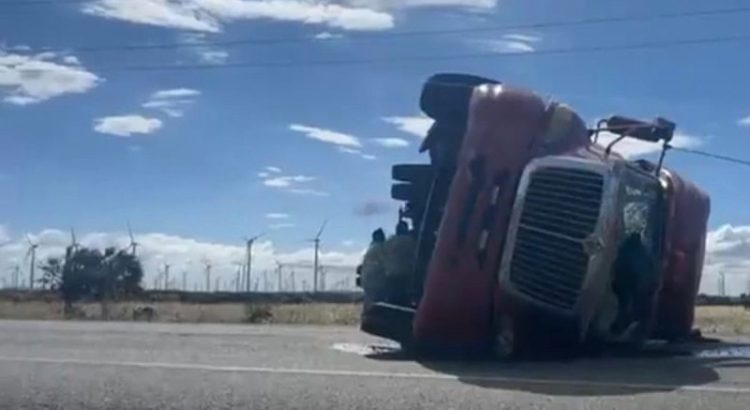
(446, 96)
(419, 173)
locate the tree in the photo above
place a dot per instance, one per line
(122, 274)
(89, 273)
(52, 270)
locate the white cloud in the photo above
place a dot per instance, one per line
(511, 43)
(4, 235)
(391, 142)
(347, 150)
(287, 181)
(283, 225)
(357, 152)
(172, 102)
(127, 125)
(415, 125)
(514, 46)
(172, 108)
(327, 136)
(308, 191)
(503, 46)
(180, 15)
(72, 60)
(277, 215)
(630, 147)
(202, 48)
(727, 251)
(185, 254)
(27, 79)
(294, 184)
(210, 15)
(347, 242)
(403, 4)
(212, 56)
(525, 38)
(175, 93)
(744, 121)
(328, 36)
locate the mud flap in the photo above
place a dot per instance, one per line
(389, 321)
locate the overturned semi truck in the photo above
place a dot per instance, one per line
(518, 219)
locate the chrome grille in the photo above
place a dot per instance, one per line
(560, 211)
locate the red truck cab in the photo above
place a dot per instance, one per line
(519, 228)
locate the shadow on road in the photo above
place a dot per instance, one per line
(659, 369)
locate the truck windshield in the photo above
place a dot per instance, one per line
(640, 208)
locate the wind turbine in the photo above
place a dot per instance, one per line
(279, 271)
(207, 265)
(31, 256)
(316, 260)
(249, 242)
(166, 275)
(74, 245)
(133, 244)
(238, 278)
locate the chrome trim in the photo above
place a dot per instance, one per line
(600, 255)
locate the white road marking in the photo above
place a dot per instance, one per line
(714, 388)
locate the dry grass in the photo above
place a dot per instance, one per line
(310, 313)
(723, 320)
(710, 319)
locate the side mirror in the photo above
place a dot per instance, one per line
(658, 130)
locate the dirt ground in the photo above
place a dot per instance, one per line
(710, 319)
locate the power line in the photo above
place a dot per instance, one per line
(21, 3)
(417, 33)
(714, 156)
(646, 45)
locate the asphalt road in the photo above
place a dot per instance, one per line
(90, 365)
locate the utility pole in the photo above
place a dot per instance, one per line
(722, 284)
(184, 281)
(294, 281)
(217, 284)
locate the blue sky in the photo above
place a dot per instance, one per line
(79, 148)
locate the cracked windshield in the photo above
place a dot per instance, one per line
(391, 204)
